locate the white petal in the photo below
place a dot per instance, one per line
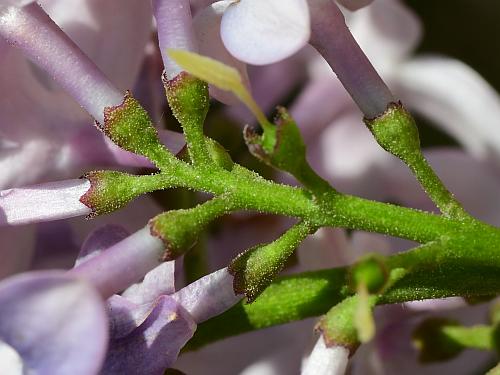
(265, 31)
(326, 361)
(456, 98)
(50, 201)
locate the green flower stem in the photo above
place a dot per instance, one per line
(396, 132)
(440, 195)
(251, 192)
(188, 98)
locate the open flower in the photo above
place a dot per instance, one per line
(149, 322)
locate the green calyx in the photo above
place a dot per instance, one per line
(129, 126)
(179, 229)
(395, 130)
(112, 190)
(282, 147)
(339, 325)
(189, 101)
(256, 268)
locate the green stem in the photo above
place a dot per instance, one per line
(336, 210)
(440, 195)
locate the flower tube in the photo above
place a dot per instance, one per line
(175, 30)
(30, 29)
(332, 38)
(43, 202)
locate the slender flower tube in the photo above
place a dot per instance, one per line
(44, 202)
(332, 38)
(122, 264)
(30, 29)
(175, 30)
(326, 360)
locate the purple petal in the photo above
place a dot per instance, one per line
(354, 4)
(262, 32)
(125, 316)
(209, 296)
(56, 324)
(44, 202)
(158, 281)
(387, 31)
(155, 344)
(438, 87)
(17, 3)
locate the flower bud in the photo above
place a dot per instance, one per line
(338, 325)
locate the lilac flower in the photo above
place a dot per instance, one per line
(147, 330)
